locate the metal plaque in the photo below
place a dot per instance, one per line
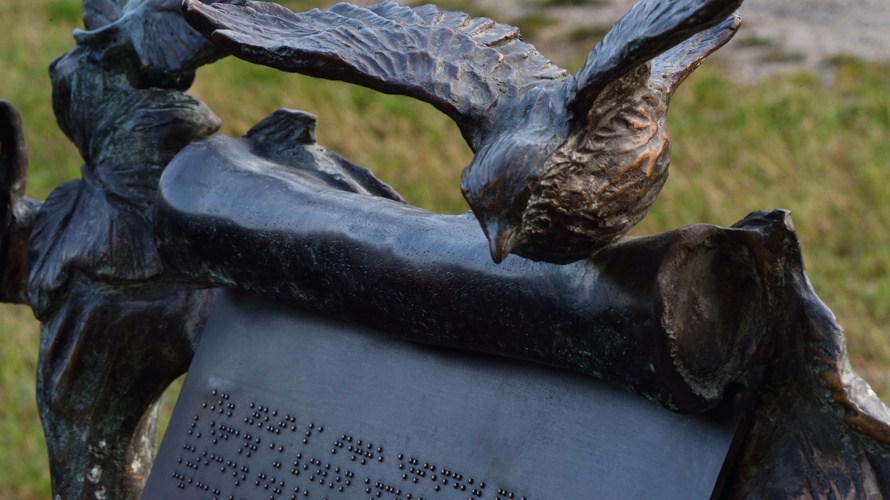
(285, 404)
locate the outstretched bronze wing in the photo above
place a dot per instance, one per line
(463, 66)
(674, 65)
(649, 29)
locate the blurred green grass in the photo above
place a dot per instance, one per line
(817, 146)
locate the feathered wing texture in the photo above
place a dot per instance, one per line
(650, 28)
(163, 43)
(673, 66)
(462, 65)
(603, 180)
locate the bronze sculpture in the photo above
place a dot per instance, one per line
(563, 165)
(106, 267)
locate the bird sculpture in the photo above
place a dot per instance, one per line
(563, 165)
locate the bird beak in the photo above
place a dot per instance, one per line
(500, 242)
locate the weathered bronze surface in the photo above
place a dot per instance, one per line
(685, 318)
(564, 165)
(403, 418)
(115, 329)
(122, 279)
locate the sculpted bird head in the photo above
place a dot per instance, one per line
(497, 185)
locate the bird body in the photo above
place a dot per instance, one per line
(562, 203)
(563, 165)
(602, 180)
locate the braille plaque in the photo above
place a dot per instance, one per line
(285, 404)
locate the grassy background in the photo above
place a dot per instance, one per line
(810, 143)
